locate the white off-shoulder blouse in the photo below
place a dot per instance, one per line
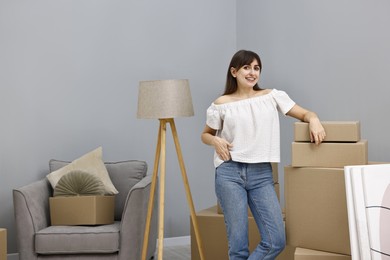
(251, 126)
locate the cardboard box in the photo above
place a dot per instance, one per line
(3, 244)
(82, 210)
(329, 154)
(277, 190)
(316, 209)
(287, 253)
(308, 254)
(336, 131)
(214, 238)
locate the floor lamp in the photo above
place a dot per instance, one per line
(165, 100)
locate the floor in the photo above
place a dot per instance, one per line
(176, 248)
(179, 252)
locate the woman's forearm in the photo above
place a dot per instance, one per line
(207, 138)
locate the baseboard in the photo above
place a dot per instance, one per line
(14, 256)
(177, 241)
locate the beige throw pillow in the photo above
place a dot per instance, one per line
(91, 163)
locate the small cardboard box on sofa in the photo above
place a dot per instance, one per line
(82, 210)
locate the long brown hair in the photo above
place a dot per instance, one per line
(241, 58)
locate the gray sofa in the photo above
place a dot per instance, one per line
(37, 239)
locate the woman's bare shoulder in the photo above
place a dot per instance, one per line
(223, 99)
(265, 91)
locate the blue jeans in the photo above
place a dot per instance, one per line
(238, 185)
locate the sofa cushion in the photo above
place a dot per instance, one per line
(78, 239)
(91, 163)
(79, 183)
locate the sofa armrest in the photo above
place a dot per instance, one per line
(31, 209)
(134, 219)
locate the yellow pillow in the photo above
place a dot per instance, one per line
(91, 163)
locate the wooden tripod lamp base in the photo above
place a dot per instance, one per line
(160, 157)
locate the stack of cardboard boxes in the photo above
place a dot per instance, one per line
(315, 197)
(213, 233)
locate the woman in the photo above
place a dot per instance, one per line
(243, 127)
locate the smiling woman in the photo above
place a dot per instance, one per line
(243, 127)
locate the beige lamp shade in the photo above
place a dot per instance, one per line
(164, 99)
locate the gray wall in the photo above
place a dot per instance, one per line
(332, 57)
(69, 73)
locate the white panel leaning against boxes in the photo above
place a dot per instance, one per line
(315, 197)
(368, 201)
